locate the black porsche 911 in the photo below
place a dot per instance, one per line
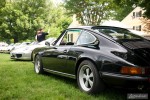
(97, 56)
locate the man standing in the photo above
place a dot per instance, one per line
(41, 35)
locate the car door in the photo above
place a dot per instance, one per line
(85, 45)
(55, 59)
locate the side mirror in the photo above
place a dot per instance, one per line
(47, 43)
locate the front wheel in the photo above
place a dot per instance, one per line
(88, 78)
(38, 68)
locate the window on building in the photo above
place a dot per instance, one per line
(133, 27)
(139, 14)
(138, 28)
(133, 15)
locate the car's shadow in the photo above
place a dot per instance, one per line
(18, 60)
(110, 93)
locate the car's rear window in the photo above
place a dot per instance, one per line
(117, 33)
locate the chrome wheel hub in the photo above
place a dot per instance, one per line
(37, 65)
(86, 78)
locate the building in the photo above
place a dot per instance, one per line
(74, 23)
(115, 23)
(133, 19)
(134, 22)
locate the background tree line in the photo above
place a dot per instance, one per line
(94, 12)
(20, 19)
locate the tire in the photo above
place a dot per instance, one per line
(88, 78)
(38, 67)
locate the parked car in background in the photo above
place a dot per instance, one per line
(97, 56)
(20, 45)
(8, 48)
(24, 53)
(3, 45)
(14, 46)
(2, 48)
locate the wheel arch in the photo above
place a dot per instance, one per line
(34, 55)
(82, 59)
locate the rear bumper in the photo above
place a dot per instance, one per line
(126, 81)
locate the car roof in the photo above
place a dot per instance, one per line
(95, 27)
(92, 27)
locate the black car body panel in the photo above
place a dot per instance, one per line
(109, 55)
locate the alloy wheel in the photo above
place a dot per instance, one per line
(86, 78)
(37, 64)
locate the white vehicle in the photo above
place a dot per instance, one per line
(2, 48)
(24, 53)
(20, 45)
(8, 48)
(3, 45)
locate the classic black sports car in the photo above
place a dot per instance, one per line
(97, 56)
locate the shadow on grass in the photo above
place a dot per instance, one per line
(110, 93)
(19, 60)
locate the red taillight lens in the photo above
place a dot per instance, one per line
(132, 70)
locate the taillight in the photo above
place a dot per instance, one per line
(132, 70)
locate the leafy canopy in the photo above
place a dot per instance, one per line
(90, 12)
(20, 19)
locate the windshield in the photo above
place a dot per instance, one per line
(33, 43)
(117, 33)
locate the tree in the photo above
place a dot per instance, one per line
(20, 19)
(2, 3)
(146, 24)
(59, 21)
(145, 4)
(90, 12)
(122, 9)
(142, 3)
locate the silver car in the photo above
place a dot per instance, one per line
(24, 53)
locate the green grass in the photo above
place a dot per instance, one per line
(19, 82)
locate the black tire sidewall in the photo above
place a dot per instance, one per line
(98, 85)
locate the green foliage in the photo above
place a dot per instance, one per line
(122, 9)
(59, 21)
(21, 19)
(142, 3)
(145, 4)
(2, 3)
(90, 12)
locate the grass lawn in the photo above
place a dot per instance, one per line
(19, 82)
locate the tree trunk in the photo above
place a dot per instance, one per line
(15, 39)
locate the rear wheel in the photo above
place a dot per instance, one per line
(88, 78)
(38, 67)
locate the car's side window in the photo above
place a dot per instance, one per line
(86, 38)
(70, 37)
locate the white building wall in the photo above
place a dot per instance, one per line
(133, 20)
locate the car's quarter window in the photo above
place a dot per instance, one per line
(70, 37)
(86, 38)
